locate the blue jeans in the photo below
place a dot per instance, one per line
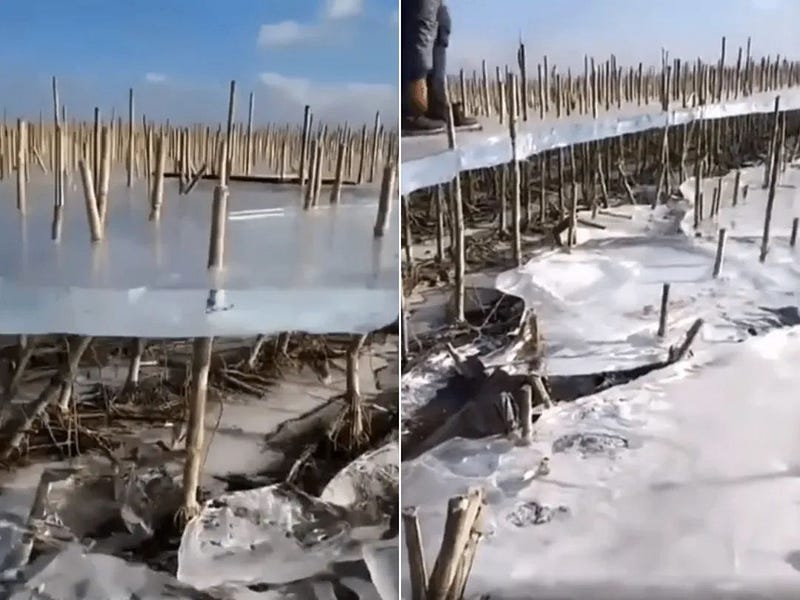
(425, 36)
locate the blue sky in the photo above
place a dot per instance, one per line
(633, 30)
(338, 55)
(179, 55)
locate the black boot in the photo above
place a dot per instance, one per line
(439, 111)
(414, 123)
(460, 119)
(421, 125)
(437, 107)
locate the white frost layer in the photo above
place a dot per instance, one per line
(285, 268)
(706, 494)
(598, 306)
(182, 313)
(427, 161)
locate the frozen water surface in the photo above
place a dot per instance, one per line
(285, 268)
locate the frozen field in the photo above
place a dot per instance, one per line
(685, 483)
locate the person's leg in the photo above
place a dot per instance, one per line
(418, 33)
(437, 76)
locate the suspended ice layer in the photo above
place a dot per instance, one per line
(318, 271)
(428, 161)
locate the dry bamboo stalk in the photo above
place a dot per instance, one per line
(26, 353)
(312, 184)
(573, 209)
(217, 234)
(318, 172)
(408, 241)
(92, 213)
(353, 391)
(458, 240)
(525, 414)
(39, 160)
(105, 177)
(523, 80)
(229, 130)
(720, 255)
(516, 183)
(336, 190)
(96, 149)
(461, 514)
(385, 199)
(416, 557)
(698, 180)
(195, 179)
(64, 398)
(157, 193)
(33, 410)
(201, 365)
(363, 154)
(20, 556)
(467, 559)
(134, 368)
(148, 155)
(249, 148)
(440, 210)
(304, 144)
(663, 314)
(219, 216)
(22, 166)
(540, 393)
(252, 360)
(772, 183)
(373, 165)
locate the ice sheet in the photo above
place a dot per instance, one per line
(599, 305)
(427, 161)
(684, 483)
(264, 535)
(74, 574)
(286, 268)
(382, 563)
(705, 494)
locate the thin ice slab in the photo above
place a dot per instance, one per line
(428, 161)
(286, 268)
(269, 535)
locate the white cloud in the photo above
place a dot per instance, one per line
(323, 28)
(297, 87)
(353, 102)
(155, 78)
(343, 9)
(284, 33)
(766, 5)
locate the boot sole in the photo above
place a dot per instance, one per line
(430, 132)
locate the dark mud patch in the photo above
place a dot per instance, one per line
(768, 319)
(471, 406)
(591, 444)
(528, 514)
